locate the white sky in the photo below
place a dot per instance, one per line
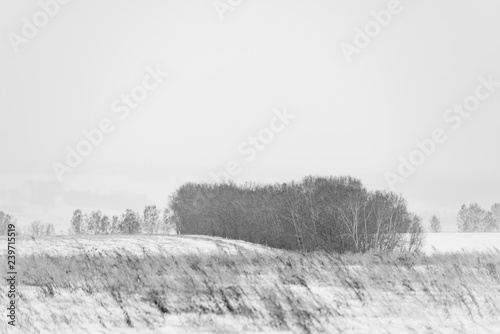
(226, 77)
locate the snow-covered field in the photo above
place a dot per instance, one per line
(459, 242)
(136, 244)
(195, 284)
(155, 244)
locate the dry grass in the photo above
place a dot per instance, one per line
(116, 291)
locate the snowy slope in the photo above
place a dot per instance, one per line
(194, 284)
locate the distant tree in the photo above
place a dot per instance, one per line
(36, 228)
(94, 222)
(77, 222)
(435, 224)
(85, 224)
(151, 219)
(5, 220)
(49, 229)
(168, 222)
(489, 222)
(495, 217)
(115, 225)
(464, 221)
(3, 223)
(105, 225)
(130, 223)
(472, 218)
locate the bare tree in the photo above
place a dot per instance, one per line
(105, 225)
(416, 232)
(151, 219)
(130, 222)
(49, 229)
(115, 225)
(473, 218)
(77, 222)
(435, 224)
(495, 216)
(5, 220)
(36, 228)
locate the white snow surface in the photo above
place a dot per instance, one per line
(101, 314)
(461, 242)
(134, 244)
(177, 244)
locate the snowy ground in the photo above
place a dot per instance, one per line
(136, 244)
(154, 244)
(195, 284)
(458, 242)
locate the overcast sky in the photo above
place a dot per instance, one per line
(231, 70)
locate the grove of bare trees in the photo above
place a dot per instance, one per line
(130, 222)
(331, 213)
(473, 218)
(38, 228)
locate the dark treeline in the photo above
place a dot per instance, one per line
(331, 213)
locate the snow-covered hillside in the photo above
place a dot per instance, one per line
(156, 244)
(193, 284)
(134, 244)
